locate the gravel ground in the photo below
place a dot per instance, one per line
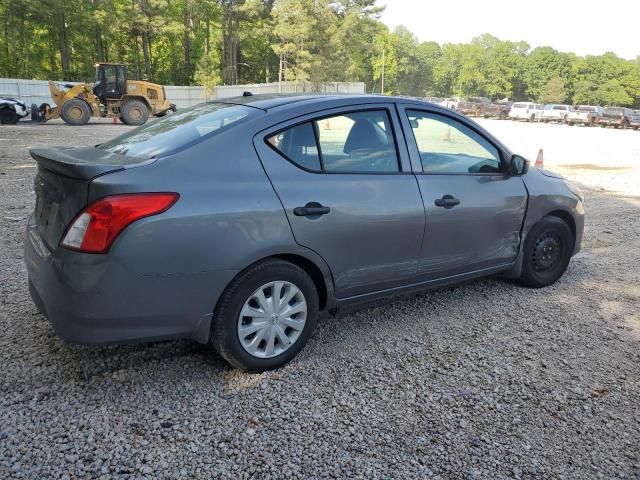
(483, 380)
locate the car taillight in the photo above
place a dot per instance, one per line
(96, 227)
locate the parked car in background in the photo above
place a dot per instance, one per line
(556, 113)
(236, 223)
(12, 110)
(634, 120)
(585, 115)
(452, 102)
(531, 112)
(436, 100)
(616, 117)
(479, 107)
(505, 108)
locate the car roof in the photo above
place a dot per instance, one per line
(269, 101)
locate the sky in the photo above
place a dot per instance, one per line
(579, 26)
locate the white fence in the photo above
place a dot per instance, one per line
(225, 91)
(37, 91)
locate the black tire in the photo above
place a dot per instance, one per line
(75, 112)
(35, 113)
(134, 112)
(635, 127)
(8, 116)
(547, 252)
(224, 327)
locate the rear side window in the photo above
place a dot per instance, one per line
(177, 130)
(354, 142)
(299, 145)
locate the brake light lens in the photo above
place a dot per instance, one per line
(96, 227)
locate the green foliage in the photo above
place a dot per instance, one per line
(210, 42)
(553, 91)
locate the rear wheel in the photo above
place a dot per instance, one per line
(265, 316)
(8, 116)
(75, 112)
(547, 251)
(134, 112)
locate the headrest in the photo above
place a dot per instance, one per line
(364, 134)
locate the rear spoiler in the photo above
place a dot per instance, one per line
(83, 163)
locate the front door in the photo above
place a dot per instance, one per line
(474, 211)
(349, 194)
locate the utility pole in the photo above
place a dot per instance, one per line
(382, 80)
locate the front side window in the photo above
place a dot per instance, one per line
(447, 146)
(354, 142)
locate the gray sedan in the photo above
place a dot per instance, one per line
(238, 223)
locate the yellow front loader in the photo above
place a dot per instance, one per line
(112, 95)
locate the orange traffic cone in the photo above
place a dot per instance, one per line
(540, 159)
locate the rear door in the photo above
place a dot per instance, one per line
(474, 212)
(349, 194)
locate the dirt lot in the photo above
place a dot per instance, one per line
(483, 380)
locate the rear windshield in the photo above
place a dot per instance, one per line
(559, 107)
(584, 108)
(613, 111)
(520, 105)
(177, 130)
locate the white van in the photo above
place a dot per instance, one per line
(531, 112)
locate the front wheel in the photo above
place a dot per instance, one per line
(547, 251)
(8, 116)
(75, 112)
(265, 316)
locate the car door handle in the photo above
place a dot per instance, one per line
(448, 201)
(310, 209)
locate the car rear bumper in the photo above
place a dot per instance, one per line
(94, 299)
(521, 115)
(585, 121)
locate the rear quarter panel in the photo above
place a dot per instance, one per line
(227, 217)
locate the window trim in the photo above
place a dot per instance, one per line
(471, 127)
(385, 108)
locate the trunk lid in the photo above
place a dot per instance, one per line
(62, 184)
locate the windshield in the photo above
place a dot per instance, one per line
(613, 111)
(559, 107)
(177, 130)
(585, 108)
(520, 105)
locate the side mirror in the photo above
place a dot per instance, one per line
(518, 165)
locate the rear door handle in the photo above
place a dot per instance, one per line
(311, 209)
(447, 201)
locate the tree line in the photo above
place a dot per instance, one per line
(211, 42)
